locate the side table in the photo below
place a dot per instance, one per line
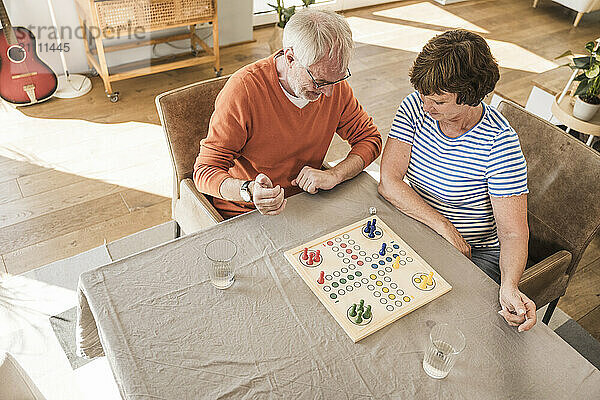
(563, 111)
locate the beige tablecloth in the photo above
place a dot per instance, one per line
(168, 334)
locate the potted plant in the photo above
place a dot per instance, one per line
(587, 94)
(283, 15)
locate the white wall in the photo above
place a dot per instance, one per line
(235, 25)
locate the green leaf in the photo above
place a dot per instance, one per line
(589, 46)
(593, 72)
(566, 53)
(582, 62)
(583, 87)
(289, 11)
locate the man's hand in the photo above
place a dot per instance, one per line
(517, 309)
(311, 180)
(455, 238)
(268, 200)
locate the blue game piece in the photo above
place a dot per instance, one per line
(368, 227)
(372, 232)
(382, 251)
(373, 222)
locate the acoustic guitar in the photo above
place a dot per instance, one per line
(24, 78)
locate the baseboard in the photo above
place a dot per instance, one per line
(446, 2)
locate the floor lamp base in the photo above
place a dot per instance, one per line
(76, 86)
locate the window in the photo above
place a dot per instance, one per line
(264, 14)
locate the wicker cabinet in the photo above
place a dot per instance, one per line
(107, 19)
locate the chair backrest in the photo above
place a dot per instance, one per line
(564, 186)
(185, 114)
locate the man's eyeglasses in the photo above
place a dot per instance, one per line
(323, 84)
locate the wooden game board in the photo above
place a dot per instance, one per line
(354, 270)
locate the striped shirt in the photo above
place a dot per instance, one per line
(457, 176)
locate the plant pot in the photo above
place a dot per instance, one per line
(276, 40)
(584, 111)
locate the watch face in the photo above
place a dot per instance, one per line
(245, 195)
(245, 192)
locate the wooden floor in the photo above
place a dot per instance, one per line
(75, 173)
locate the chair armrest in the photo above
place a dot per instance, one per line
(193, 211)
(546, 280)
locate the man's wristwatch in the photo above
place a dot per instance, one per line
(245, 192)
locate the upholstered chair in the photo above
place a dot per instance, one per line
(581, 6)
(563, 207)
(185, 114)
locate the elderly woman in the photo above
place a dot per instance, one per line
(466, 172)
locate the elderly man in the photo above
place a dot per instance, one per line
(275, 118)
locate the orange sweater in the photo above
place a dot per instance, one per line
(256, 129)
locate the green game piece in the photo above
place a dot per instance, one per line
(350, 277)
(353, 311)
(358, 319)
(335, 284)
(342, 281)
(361, 304)
(358, 273)
(367, 313)
(333, 295)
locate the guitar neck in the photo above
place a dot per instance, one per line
(8, 31)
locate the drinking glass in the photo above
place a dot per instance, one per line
(221, 252)
(445, 343)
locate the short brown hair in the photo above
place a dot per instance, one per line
(456, 61)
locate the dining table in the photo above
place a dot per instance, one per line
(168, 333)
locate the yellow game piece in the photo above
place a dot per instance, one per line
(423, 285)
(396, 263)
(430, 279)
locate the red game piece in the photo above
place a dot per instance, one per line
(310, 259)
(317, 257)
(321, 279)
(305, 254)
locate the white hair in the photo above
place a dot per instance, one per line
(315, 34)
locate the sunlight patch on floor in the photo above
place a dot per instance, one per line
(131, 154)
(408, 38)
(430, 14)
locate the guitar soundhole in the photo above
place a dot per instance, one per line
(16, 54)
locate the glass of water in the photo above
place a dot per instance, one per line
(445, 343)
(221, 252)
